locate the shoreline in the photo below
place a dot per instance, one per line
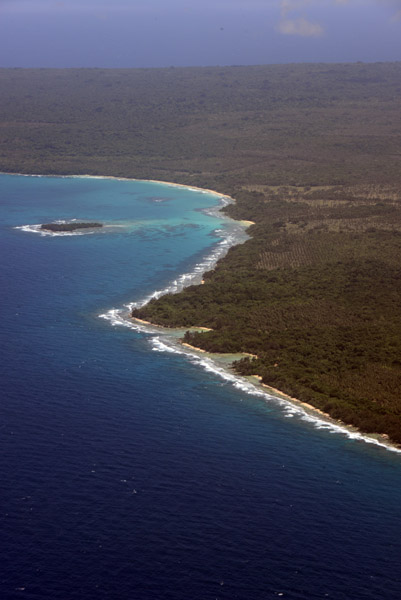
(113, 177)
(381, 439)
(378, 439)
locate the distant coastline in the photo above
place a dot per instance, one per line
(114, 178)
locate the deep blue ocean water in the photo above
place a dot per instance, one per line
(132, 471)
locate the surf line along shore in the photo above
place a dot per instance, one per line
(305, 410)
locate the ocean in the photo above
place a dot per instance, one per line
(132, 468)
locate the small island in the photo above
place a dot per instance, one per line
(69, 226)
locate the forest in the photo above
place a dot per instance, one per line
(311, 154)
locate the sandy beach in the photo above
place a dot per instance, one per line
(193, 347)
(145, 322)
(169, 183)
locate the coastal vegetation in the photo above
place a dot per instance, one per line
(311, 153)
(71, 226)
(316, 297)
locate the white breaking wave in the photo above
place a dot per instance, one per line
(195, 276)
(164, 346)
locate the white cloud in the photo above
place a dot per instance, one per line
(297, 24)
(300, 26)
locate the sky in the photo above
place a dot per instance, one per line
(163, 33)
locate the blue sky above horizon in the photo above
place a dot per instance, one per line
(160, 33)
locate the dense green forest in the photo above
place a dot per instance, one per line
(312, 155)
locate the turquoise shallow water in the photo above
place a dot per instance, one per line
(131, 470)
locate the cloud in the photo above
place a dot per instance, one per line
(297, 24)
(300, 26)
(295, 14)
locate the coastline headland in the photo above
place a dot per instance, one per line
(253, 384)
